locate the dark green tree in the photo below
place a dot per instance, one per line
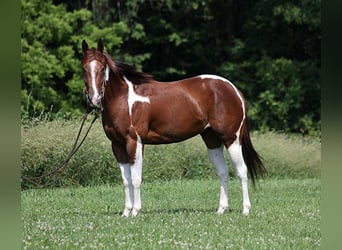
(276, 62)
(269, 49)
(51, 53)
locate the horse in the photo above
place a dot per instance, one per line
(137, 110)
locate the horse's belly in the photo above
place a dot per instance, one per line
(155, 138)
(173, 132)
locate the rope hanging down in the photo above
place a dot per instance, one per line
(61, 167)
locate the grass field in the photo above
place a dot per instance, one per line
(180, 195)
(178, 214)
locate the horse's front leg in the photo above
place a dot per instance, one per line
(136, 156)
(121, 156)
(127, 182)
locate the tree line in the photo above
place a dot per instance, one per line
(269, 49)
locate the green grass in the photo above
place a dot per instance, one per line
(180, 195)
(45, 144)
(178, 214)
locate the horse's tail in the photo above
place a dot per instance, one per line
(252, 159)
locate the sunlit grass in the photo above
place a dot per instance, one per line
(176, 215)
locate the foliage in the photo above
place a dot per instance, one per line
(51, 38)
(276, 61)
(45, 144)
(269, 49)
(175, 215)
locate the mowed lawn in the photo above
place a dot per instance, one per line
(178, 214)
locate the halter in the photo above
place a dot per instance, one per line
(105, 80)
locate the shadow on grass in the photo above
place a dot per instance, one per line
(183, 210)
(180, 210)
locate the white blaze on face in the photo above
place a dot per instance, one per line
(133, 97)
(237, 92)
(96, 96)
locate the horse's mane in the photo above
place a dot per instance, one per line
(130, 72)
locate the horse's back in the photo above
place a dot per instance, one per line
(202, 85)
(202, 94)
(215, 93)
(181, 109)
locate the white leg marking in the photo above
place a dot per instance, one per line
(136, 170)
(127, 181)
(235, 150)
(96, 95)
(235, 153)
(133, 97)
(217, 159)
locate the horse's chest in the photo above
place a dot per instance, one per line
(115, 128)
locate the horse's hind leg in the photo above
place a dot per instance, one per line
(217, 159)
(235, 153)
(215, 153)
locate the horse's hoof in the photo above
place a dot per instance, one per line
(221, 210)
(126, 212)
(246, 213)
(246, 210)
(135, 212)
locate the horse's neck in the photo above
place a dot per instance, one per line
(118, 87)
(115, 84)
(115, 104)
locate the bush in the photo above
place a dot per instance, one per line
(289, 155)
(45, 144)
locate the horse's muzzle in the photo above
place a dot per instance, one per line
(94, 102)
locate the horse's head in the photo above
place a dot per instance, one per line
(96, 73)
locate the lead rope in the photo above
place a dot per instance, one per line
(74, 149)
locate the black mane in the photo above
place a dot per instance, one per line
(131, 73)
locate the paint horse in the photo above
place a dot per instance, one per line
(138, 110)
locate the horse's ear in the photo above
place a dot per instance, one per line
(100, 45)
(85, 46)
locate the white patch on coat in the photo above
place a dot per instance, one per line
(133, 97)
